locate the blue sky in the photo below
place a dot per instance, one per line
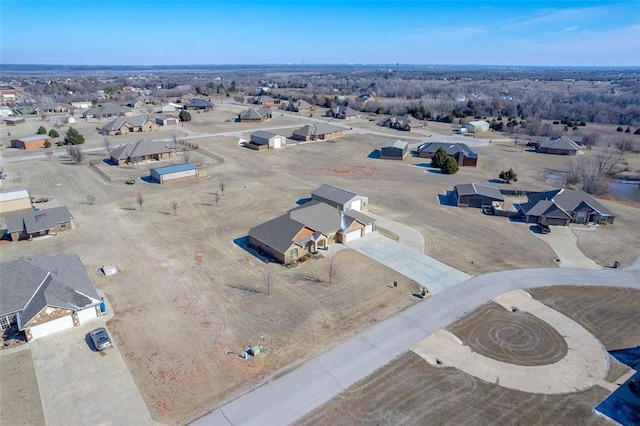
(158, 32)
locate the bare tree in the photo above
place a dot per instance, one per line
(222, 187)
(269, 279)
(174, 207)
(90, 199)
(76, 153)
(140, 199)
(107, 144)
(187, 155)
(332, 267)
(216, 198)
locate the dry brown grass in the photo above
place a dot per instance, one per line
(20, 400)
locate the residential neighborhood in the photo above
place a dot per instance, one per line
(237, 245)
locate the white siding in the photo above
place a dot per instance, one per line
(368, 229)
(277, 142)
(178, 175)
(356, 205)
(51, 327)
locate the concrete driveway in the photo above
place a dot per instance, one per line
(406, 235)
(79, 386)
(426, 271)
(564, 243)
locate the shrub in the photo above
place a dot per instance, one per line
(42, 130)
(619, 129)
(450, 166)
(439, 158)
(184, 116)
(509, 176)
(53, 133)
(47, 144)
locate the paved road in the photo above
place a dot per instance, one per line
(426, 271)
(291, 396)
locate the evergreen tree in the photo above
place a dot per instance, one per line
(73, 137)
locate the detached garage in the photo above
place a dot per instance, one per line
(394, 150)
(30, 142)
(174, 173)
(266, 140)
(15, 200)
(474, 195)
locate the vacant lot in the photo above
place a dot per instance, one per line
(176, 318)
(410, 391)
(20, 401)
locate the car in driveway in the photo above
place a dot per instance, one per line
(100, 338)
(544, 228)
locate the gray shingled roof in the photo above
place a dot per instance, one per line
(36, 221)
(399, 144)
(28, 285)
(451, 148)
(263, 134)
(333, 193)
(253, 114)
(474, 188)
(135, 121)
(199, 103)
(559, 142)
(277, 233)
(316, 129)
(360, 217)
(140, 149)
(318, 216)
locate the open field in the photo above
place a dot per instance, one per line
(176, 318)
(410, 391)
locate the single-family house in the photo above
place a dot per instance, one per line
(44, 295)
(339, 198)
(254, 115)
(262, 140)
(78, 105)
(264, 101)
(343, 112)
(476, 126)
(564, 206)
(167, 120)
(15, 200)
(559, 145)
(55, 108)
(107, 111)
(405, 123)
(308, 228)
(199, 105)
(174, 173)
(475, 195)
(141, 151)
(317, 131)
(297, 106)
(463, 155)
(31, 142)
(124, 125)
(9, 95)
(394, 150)
(31, 224)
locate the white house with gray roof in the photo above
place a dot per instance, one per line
(44, 295)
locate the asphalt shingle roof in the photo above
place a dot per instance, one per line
(399, 144)
(451, 148)
(31, 284)
(316, 129)
(474, 188)
(140, 149)
(39, 220)
(135, 121)
(333, 193)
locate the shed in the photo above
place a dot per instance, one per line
(14, 200)
(174, 173)
(109, 270)
(266, 140)
(30, 142)
(166, 120)
(474, 195)
(14, 121)
(477, 126)
(394, 150)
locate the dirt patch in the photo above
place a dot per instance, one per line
(412, 392)
(610, 314)
(514, 337)
(20, 401)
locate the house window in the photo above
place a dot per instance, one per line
(294, 253)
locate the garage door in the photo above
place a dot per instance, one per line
(555, 221)
(277, 143)
(51, 327)
(353, 235)
(368, 229)
(356, 205)
(475, 202)
(87, 314)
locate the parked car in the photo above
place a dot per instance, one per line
(544, 228)
(130, 182)
(489, 210)
(100, 338)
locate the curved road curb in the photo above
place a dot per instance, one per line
(293, 395)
